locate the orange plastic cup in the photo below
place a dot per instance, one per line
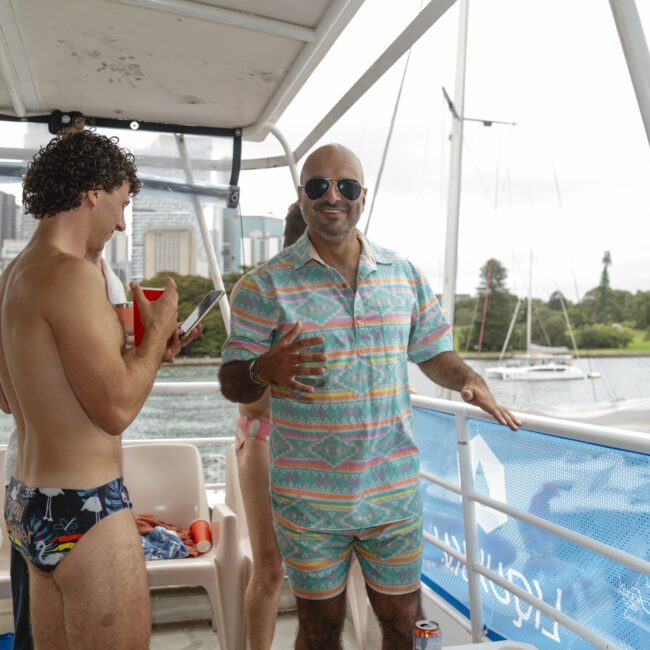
(124, 312)
(201, 536)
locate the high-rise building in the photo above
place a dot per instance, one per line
(7, 216)
(165, 231)
(25, 225)
(252, 240)
(169, 250)
(158, 242)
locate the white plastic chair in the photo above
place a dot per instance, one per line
(357, 598)
(5, 544)
(166, 481)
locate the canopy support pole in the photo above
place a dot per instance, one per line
(213, 264)
(635, 49)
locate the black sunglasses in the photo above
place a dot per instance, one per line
(348, 188)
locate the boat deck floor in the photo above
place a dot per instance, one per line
(198, 635)
(181, 619)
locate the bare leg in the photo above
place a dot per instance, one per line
(102, 585)
(397, 615)
(321, 623)
(46, 611)
(261, 599)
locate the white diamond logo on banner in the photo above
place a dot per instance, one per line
(487, 518)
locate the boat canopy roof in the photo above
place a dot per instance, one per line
(224, 64)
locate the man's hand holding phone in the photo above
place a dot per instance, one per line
(176, 342)
(190, 328)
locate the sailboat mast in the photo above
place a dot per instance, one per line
(453, 200)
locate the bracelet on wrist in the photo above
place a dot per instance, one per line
(251, 373)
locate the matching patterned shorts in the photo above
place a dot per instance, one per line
(317, 563)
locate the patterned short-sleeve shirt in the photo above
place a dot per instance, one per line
(342, 457)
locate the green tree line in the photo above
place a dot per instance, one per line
(604, 318)
(191, 290)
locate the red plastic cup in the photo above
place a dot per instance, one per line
(201, 536)
(138, 330)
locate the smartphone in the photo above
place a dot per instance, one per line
(200, 312)
(151, 295)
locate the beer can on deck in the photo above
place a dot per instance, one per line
(427, 635)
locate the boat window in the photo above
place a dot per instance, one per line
(166, 200)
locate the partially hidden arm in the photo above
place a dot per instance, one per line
(4, 405)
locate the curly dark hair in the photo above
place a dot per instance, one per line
(73, 163)
(294, 225)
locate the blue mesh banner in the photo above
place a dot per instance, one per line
(600, 492)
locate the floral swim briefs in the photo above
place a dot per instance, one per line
(45, 524)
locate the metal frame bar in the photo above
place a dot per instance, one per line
(300, 67)
(213, 264)
(443, 605)
(563, 619)
(229, 17)
(470, 525)
(236, 159)
(635, 49)
(470, 497)
(162, 162)
(60, 119)
(412, 33)
(605, 436)
(455, 170)
(635, 563)
(290, 160)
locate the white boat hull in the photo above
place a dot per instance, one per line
(546, 372)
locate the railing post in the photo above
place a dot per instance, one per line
(470, 525)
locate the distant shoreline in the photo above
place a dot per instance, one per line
(487, 356)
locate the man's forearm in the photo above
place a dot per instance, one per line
(237, 384)
(449, 370)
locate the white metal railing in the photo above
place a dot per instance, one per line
(605, 436)
(611, 437)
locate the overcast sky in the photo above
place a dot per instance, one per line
(569, 181)
(556, 68)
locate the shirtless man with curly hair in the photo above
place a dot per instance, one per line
(73, 389)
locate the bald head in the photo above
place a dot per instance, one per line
(334, 209)
(332, 161)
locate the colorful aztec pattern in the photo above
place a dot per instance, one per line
(343, 457)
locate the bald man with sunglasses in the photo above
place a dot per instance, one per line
(329, 324)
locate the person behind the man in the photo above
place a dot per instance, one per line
(252, 434)
(329, 324)
(73, 390)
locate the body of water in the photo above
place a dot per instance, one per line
(621, 378)
(210, 415)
